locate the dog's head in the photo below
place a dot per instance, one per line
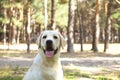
(50, 42)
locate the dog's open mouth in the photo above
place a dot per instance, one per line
(50, 52)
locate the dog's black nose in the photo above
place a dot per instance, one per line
(49, 45)
(49, 42)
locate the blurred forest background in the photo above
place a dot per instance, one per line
(79, 21)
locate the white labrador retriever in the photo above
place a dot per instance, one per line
(46, 65)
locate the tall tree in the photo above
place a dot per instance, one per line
(5, 15)
(45, 14)
(70, 27)
(80, 8)
(117, 1)
(52, 15)
(108, 4)
(96, 30)
(27, 26)
(11, 28)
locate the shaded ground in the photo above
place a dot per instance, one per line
(82, 63)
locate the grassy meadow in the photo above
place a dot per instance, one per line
(69, 74)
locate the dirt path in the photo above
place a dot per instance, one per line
(91, 63)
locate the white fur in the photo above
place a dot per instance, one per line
(44, 68)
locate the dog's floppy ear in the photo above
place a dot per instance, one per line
(62, 41)
(39, 41)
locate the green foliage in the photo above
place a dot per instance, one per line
(6, 4)
(61, 11)
(39, 18)
(116, 26)
(116, 15)
(37, 11)
(5, 20)
(62, 15)
(37, 4)
(18, 5)
(16, 22)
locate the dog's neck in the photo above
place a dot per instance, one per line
(50, 62)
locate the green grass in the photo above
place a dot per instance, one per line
(75, 74)
(69, 74)
(12, 73)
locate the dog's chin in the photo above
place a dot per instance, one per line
(50, 52)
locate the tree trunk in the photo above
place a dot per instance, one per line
(45, 14)
(119, 35)
(10, 14)
(27, 29)
(96, 28)
(80, 18)
(53, 26)
(13, 35)
(70, 26)
(10, 34)
(4, 34)
(76, 31)
(108, 25)
(5, 15)
(18, 36)
(28, 32)
(81, 30)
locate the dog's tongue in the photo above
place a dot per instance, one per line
(49, 53)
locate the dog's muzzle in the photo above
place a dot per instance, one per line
(49, 50)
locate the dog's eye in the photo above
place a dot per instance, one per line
(55, 37)
(44, 37)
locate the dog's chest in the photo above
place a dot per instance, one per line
(49, 73)
(47, 69)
